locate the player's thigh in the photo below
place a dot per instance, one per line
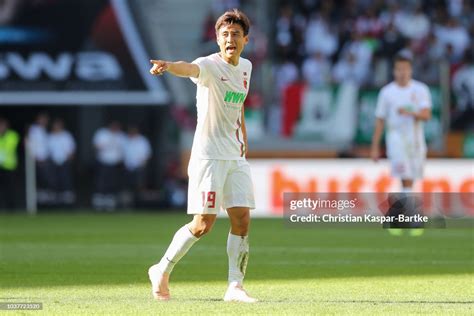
(238, 186)
(206, 183)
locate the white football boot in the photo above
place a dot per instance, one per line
(159, 283)
(236, 293)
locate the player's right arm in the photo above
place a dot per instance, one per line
(376, 138)
(178, 68)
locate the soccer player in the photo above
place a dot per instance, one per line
(61, 148)
(219, 175)
(403, 105)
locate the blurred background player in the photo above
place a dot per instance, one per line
(403, 105)
(8, 163)
(61, 147)
(219, 174)
(108, 143)
(38, 145)
(137, 152)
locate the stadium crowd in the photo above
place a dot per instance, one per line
(329, 42)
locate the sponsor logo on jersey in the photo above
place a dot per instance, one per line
(234, 97)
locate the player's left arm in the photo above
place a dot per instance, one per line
(244, 130)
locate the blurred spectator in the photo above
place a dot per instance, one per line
(61, 146)
(317, 70)
(37, 141)
(435, 50)
(350, 69)
(414, 24)
(454, 34)
(369, 24)
(455, 7)
(360, 48)
(319, 37)
(466, 17)
(9, 140)
(391, 42)
(463, 87)
(285, 74)
(108, 142)
(289, 30)
(137, 152)
(452, 57)
(392, 14)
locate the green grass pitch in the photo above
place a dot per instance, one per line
(89, 264)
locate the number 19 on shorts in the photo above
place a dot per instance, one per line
(209, 199)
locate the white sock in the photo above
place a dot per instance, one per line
(238, 252)
(182, 241)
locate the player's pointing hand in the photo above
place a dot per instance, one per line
(159, 67)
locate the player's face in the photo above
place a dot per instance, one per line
(231, 41)
(402, 72)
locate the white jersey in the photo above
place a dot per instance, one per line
(61, 145)
(38, 142)
(404, 133)
(137, 151)
(221, 92)
(109, 146)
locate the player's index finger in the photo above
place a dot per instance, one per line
(155, 62)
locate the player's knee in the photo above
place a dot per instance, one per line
(200, 228)
(241, 226)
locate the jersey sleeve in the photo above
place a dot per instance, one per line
(425, 98)
(250, 72)
(381, 110)
(204, 71)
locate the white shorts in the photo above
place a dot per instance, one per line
(407, 160)
(407, 168)
(216, 184)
